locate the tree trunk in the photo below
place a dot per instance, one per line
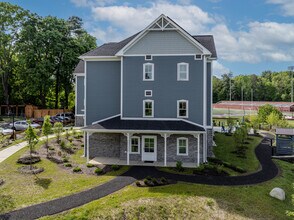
(5, 85)
(57, 89)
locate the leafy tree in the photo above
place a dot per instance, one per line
(265, 110)
(58, 128)
(273, 119)
(230, 123)
(11, 20)
(32, 139)
(47, 129)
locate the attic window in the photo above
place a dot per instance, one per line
(148, 57)
(148, 93)
(198, 57)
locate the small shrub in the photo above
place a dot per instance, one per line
(138, 183)
(62, 144)
(65, 160)
(70, 140)
(89, 165)
(77, 169)
(163, 180)
(148, 178)
(59, 153)
(154, 181)
(98, 171)
(51, 148)
(146, 182)
(115, 167)
(179, 166)
(82, 145)
(67, 165)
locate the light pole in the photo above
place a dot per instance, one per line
(291, 68)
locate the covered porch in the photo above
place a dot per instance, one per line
(157, 142)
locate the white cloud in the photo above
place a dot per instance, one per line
(218, 69)
(287, 6)
(92, 3)
(262, 41)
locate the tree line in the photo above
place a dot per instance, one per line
(269, 86)
(38, 55)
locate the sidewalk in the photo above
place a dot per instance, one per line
(4, 154)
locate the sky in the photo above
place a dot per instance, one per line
(251, 36)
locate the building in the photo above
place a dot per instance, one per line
(285, 141)
(254, 105)
(148, 98)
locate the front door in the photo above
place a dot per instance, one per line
(149, 148)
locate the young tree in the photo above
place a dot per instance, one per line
(265, 110)
(58, 127)
(32, 139)
(273, 119)
(46, 129)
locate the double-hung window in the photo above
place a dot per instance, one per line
(148, 71)
(148, 108)
(182, 146)
(135, 145)
(182, 109)
(183, 72)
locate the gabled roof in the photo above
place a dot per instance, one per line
(143, 125)
(112, 49)
(80, 67)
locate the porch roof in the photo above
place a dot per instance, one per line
(118, 124)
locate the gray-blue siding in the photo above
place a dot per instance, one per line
(102, 90)
(285, 146)
(165, 87)
(80, 95)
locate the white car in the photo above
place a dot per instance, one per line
(23, 125)
(6, 131)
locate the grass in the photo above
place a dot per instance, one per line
(191, 201)
(225, 147)
(22, 190)
(78, 157)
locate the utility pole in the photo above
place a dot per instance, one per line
(291, 68)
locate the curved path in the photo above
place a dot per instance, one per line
(263, 152)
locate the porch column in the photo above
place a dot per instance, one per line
(85, 144)
(128, 135)
(88, 141)
(165, 136)
(198, 148)
(204, 148)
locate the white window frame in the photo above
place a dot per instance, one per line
(148, 55)
(152, 71)
(139, 146)
(145, 93)
(148, 116)
(178, 71)
(187, 108)
(178, 146)
(198, 58)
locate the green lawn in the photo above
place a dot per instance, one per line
(225, 147)
(22, 190)
(191, 201)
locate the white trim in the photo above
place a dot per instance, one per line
(140, 131)
(211, 95)
(128, 148)
(179, 29)
(155, 145)
(148, 55)
(204, 92)
(152, 102)
(79, 74)
(100, 58)
(104, 119)
(198, 150)
(146, 92)
(152, 71)
(187, 108)
(139, 146)
(88, 142)
(178, 71)
(178, 146)
(85, 93)
(121, 84)
(158, 55)
(76, 94)
(80, 115)
(195, 58)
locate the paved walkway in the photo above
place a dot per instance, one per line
(263, 152)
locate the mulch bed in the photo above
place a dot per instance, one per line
(28, 170)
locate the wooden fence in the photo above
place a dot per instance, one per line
(33, 111)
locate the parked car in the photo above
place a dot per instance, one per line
(23, 125)
(69, 115)
(6, 131)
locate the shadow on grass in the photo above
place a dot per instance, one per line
(6, 203)
(43, 182)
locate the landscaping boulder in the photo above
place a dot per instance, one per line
(27, 159)
(278, 193)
